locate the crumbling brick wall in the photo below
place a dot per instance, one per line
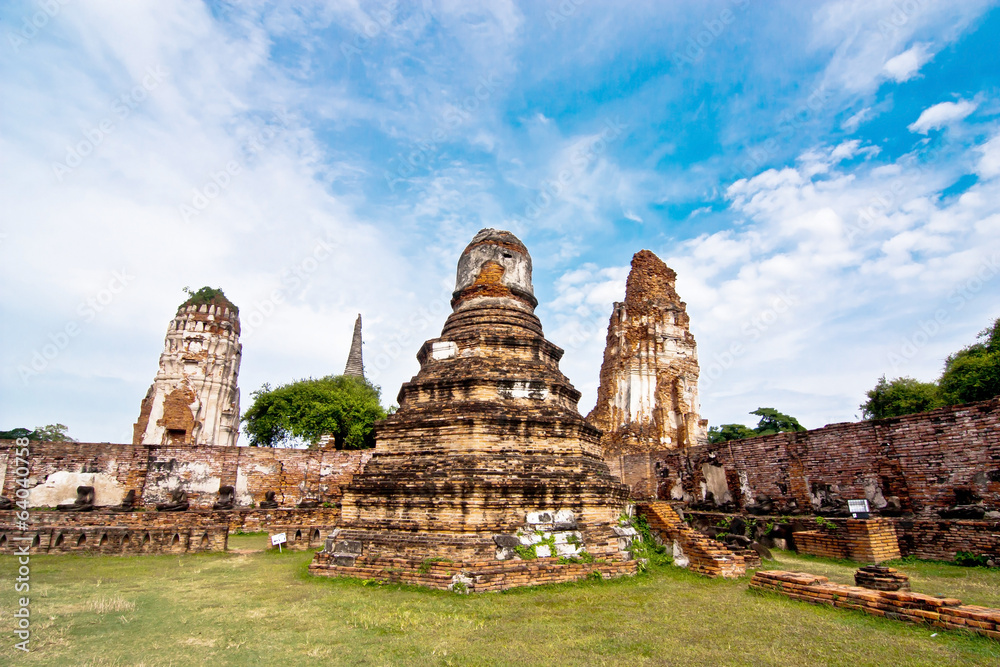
(57, 468)
(917, 465)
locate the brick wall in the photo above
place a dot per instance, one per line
(866, 541)
(947, 613)
(126, 533)
(929, 462)
(57, 468)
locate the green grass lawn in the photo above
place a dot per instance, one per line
(263, 608)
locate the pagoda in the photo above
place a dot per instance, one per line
(487, 477)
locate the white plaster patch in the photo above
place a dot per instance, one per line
(715, 482)
(523, 389)
(243, 496)
(445, 350)
(60, 488)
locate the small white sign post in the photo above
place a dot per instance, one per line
(277, 540)
(858, 508)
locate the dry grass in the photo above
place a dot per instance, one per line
(263, 608)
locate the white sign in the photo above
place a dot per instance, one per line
(278, 539)
(857, 507)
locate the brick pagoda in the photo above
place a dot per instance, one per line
(487, 477)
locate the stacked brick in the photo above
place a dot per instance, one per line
(941, 539)
(881, 579)
(477, 576)
(648, 396)
(57, 468)
(102, 531)
(863, 540)
(127, 533)
(897, 605)
(918, 464)
(705, 555)
(487, 433)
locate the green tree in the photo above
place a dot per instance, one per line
(50, 433)
(973, 373)
(346, 407)
(901, 396)
(729, 432)
(772, 421)
(53, 433)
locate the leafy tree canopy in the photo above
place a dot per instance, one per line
(50, 433)
(901, 396)
(771, 421)
(973, 373)
(729, 432)
(346, 407)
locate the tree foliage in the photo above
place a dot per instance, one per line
(346, 407)
(771, 421)
(729, 432)
(973, 373)
(50, 433)
(901, 396)
(208, 296)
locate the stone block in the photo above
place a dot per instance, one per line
(506, 541)
(347, 547)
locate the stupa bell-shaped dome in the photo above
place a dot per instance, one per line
(495, 265)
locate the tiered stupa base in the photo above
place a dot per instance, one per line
(470, 576)
(487, 477)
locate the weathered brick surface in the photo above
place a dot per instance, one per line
(705, 555)
(154, 470)
(484, 576)
(487, 434)
(909, 469)
(941, 612)
(305, 528)
(928, 461)
(863, 540)
(116, 533)
(648, 396)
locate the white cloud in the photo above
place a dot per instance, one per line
(989, 160)
(906, 65)
(941, 115)
(852, 123)
(864, 37)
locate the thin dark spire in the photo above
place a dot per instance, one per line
(355, 364)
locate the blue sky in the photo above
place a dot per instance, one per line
(824, 178)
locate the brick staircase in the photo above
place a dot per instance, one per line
(705, 555)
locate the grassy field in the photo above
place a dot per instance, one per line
(261, 607)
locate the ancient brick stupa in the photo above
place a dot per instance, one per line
(648, 398)
(194, 399)
(487, 477)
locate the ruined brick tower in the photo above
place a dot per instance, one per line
(648, 398)
(486, 452)
(355, 362)
(194, 399)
